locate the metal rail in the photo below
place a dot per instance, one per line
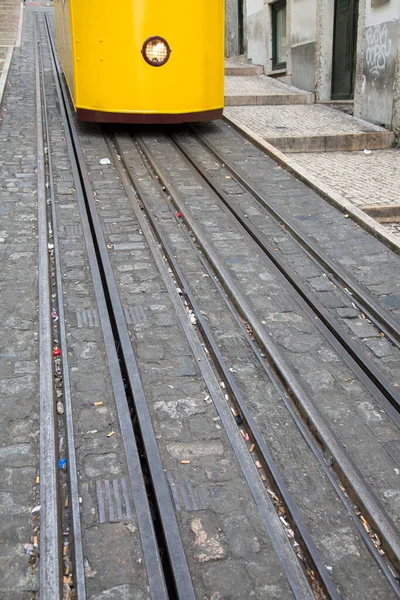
(79, 579)
(50, 541)
(306, 434)
(114, 324)
(226, 374)
(340, 277)
(236, 441)
(149, 541)
(92, 229)
(361, 491)
(350, 351)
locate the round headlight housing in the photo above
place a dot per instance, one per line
(156, 51)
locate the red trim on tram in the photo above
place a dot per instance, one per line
(97, 116)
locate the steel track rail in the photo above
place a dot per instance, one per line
(307, 436)
(77, 547)
(269, 464)
(226, 374)
(176, 553)
(377, 313)
(50, 539)
(349, 350)
(361, 491)
(290, 563)
(152, 558)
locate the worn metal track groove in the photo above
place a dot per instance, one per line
(226, 374)
(292, 568)
(145, 519)
(50, 541)
(346, 468)
(79, 579)
(350, 351)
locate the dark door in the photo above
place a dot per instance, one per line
(241, 26)
(344, 49)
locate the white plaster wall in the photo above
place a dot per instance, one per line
(382, 14)
(324, 49)
(256, 32)
(377, 99)
(231, 28)
(304, 22)
(303, 43)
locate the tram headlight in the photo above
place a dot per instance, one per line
(156, 51)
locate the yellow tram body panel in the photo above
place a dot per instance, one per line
(100, 46)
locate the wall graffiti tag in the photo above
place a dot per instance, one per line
(378, 48)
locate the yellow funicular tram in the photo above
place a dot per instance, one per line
(143, 61)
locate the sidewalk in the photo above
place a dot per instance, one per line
(11, 12)
(347, 160)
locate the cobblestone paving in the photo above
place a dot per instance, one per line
(328, 379)
(107, 540)
(19, 427)
(9, 20)
(315, 217)
(313, 495)
(260, 85)
(362, 179)
(312, 128)
(235, 66)
(279, 121)
(240, 556)
(277, 186)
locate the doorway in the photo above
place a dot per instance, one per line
(241, 26)
(344, 49)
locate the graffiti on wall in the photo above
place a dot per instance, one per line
(379, 71)
(378, 47)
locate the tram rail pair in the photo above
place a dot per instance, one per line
(356, 487)
(124, 367)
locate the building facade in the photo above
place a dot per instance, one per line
(339, 49)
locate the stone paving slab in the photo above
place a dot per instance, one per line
(371, 181)
(303, 167)
(19, 378)
(9, 21)
(310, 128)
(239, 66)
(10, 26)
(262, 90)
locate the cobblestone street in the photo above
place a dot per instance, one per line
(200, 338)
(371, 179)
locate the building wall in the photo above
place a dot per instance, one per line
(310, 45)
(257, 40)
(324, 49)
(396, 94)
(301, 31)
(231, 28)
(303, 43)
(377, 69)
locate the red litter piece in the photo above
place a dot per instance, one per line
(56, 352)
(178, 214)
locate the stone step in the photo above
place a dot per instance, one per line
(312, 128)
(382, 213)
(240, 67)
(262, 90)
